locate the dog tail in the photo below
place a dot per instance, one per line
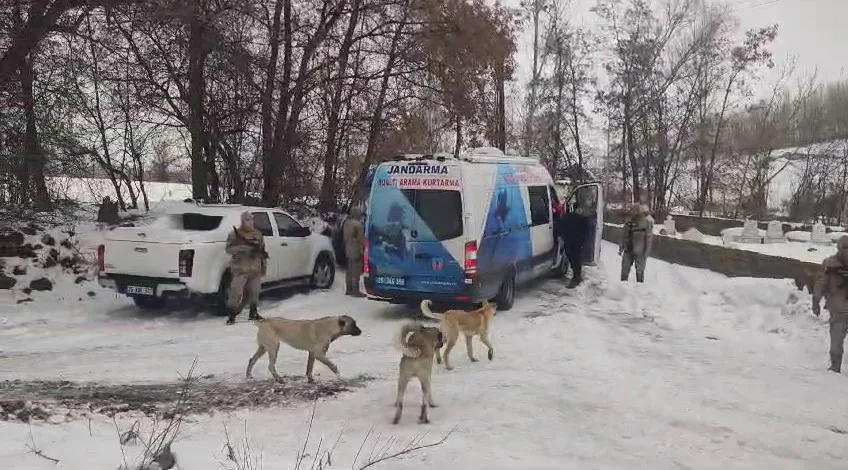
(401, 340)
(425, 309)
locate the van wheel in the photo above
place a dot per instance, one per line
(149, 303)
(220, 306)
(506, 296)
(324, 272)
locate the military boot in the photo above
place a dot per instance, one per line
(254, 314)
(835, 363)
(231, 315)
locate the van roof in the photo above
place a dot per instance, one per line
(476, 155)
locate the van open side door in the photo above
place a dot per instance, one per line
(589, 199)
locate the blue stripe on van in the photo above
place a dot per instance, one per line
(506, 236)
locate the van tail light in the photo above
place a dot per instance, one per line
(186, 263)
(101, 258)
(470, 261)
(365, 269)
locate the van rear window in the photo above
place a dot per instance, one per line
(440, 210)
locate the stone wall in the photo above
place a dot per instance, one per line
(732, 263)
(705, 225)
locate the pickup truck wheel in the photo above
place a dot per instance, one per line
(324, 272)
(149, 303)
(222, 296)
(506, 296)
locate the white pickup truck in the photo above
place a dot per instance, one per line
(182, 254)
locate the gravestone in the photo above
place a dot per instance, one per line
(750, 232)
(774, 233)
(693, 235)
(819, 235)
(669, 226)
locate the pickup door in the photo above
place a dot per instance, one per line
(295, 250)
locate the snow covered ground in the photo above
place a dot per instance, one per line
(691, 370)
(93, 190)
(797, 245)
(801, 250)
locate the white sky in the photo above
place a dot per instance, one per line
(814, 32)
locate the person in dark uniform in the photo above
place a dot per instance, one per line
(573, 225)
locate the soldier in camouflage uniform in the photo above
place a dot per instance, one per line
(636, 242)
(249, 263)
(353, 234)
(832, 284)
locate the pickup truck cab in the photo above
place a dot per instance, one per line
(181, 254)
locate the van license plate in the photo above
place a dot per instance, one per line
(139, 290)
(390, 281)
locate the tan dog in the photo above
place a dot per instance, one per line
(313, 336)
(419, 344)
(454, 322)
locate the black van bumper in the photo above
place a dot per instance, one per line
(473, 294)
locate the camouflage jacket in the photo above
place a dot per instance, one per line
(248, 252)
(832, 285)
(354, 238)
(638, 236)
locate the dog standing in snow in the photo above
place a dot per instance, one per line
(470, 323)
(313, 336)
(419, 344)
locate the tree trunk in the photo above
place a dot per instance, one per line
(327, 200)
(631, 150)
(534, 79)
(272, 162)
(196, 95)
(34, 158)
(267, 106)
(710, 170)
(500, 85)
(375, 125)
(458, 146)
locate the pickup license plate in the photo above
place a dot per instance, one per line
(390, 281)
(140, 290)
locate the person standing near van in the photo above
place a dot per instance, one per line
(249, 263)
(636, 242)
(573, 225)
(353, 234)
(832, 284)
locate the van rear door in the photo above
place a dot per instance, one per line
(437, 241)
(589, 199)
(415, 228)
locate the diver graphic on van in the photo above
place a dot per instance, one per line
(393, 236)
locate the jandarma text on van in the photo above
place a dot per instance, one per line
(418, 169)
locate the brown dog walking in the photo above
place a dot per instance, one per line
(471, 323)
(419, 345)
(313, 336)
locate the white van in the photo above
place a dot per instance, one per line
(464, 230)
